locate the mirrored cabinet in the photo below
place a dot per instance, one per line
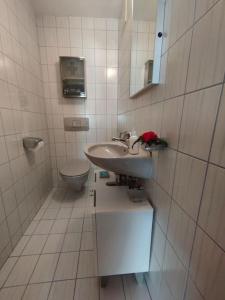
(147, 27)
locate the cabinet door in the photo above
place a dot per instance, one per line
(123, 242)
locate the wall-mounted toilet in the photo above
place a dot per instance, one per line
(75, 173)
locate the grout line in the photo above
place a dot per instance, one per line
(51, 281)
(78, 261)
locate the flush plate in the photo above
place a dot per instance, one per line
(76, 124)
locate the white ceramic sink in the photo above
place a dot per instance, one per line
(116, 158)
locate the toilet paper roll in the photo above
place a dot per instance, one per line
(38, 147)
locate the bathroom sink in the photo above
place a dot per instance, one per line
(116, 158)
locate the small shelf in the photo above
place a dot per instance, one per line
(154, 148)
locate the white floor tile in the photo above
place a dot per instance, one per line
(37, 291)
(44, 227)
(87, 264)
(64, 213)
(67, 266)
(6, 269)
(13, 293)
(71, 242)
(35, 245)
(78, 212)
(54, 243)
(88, 241)
(50, 214)
(87, 289)
(62, 290)
(89, 212)
(75, 225)
(89, 224)
(59, 226)
(54, 204)
(45, 268)
(22, 271)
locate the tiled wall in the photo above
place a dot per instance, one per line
(24, 178)
(188, 109)
(96, 40)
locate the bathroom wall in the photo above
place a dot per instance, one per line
(96, 39)
(188, 109)
(25, 179)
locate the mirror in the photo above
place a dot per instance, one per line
(146, 45)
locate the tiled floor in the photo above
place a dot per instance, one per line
(56, 257)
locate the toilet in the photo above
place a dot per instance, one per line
(75, 173)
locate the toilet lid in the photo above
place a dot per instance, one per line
(75, 167)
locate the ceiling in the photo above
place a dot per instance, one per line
(85, 8)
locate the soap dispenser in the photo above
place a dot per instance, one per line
(133, 149)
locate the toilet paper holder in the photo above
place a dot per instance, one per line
(32, 143)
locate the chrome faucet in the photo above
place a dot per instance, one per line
(123, 138)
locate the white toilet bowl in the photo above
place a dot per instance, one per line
(75, 173)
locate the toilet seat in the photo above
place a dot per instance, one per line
(75, 168)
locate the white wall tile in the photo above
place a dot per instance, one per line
(75, 38)
(181, 232)
(208, 267)
(87, 23)
(212, 207)
(174, 273)
(165, 169)
(112, 40)
(198, 121)
(63, 37)
(161, 202)
(208, 34)
(3, 151)
(75, 22)
(100, 39)
(192, 292)
(188, 183)
(172, 111)
(62, 22)
(100, 23)
(217, 155)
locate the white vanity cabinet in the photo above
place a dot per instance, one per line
(123, 231)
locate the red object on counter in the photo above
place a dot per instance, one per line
(149, 136)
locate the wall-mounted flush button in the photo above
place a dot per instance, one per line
(76, 124)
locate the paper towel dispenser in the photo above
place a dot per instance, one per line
(73, 76)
